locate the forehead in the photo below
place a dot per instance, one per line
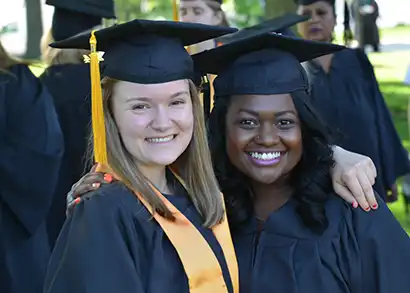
(192, 3)
(316, 5)
(262, 103)
(130, 89)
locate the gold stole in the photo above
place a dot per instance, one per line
(200, 263)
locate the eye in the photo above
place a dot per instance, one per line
(139, 107)
(182, 11)
(247, 122)
(306, 13)
(285, 123)
(198, 11)
(178, 102)
(321, 12)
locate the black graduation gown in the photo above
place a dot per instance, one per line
(111, 244)
(349, 99)
(70, 88)
(31, 147)
(359, 253)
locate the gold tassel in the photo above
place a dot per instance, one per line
(97, 112)
(175, 10)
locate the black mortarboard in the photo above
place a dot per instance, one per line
(279, 25)
(67, 23)
(72, 17)
(262, 64)
(146, 51)
(100, 8)
(139, 51)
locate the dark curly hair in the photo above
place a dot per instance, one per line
(310, 179)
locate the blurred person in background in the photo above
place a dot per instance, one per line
(346, 94)
(67, 78)
(31, 148)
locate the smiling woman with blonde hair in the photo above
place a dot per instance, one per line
(162, 226)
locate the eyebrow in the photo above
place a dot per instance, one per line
(146, 99)
(254, 113)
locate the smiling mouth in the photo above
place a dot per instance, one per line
(164, 139)
(265, 158)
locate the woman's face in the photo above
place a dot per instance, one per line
(321, 24)
(155, 121)
(197, 11)
(263, 139)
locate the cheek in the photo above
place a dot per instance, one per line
(293, 142)
(184, 119)
(132, 125)
(236, 141)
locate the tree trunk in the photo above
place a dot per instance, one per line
(34, 29)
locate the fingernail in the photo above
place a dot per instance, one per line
(95, 185)
(77, 200)
(355, 204)
(108, 177)
(367, 209)
(375, 206)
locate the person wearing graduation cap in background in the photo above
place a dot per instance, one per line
(207, 12)
(31, 148)
(291, 232)
(161, 227)
(346, 94)
(68, 80)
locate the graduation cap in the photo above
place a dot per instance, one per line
(139, 51)
(279, 25)
(72, 17)
(101, 8)
(261, 64)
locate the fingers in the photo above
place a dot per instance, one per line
(345, 193)
(367, 190)
(89, 182)
(370, 169)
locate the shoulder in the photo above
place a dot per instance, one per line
(108, 200)
(364, 224)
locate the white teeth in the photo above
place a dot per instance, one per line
(160, 139)
(265, 156)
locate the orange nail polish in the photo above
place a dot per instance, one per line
(77, 200)
(108, 177)
(367, 209)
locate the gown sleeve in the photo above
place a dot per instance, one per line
(384, 251)
(395, 161)
(92, 253)
(31, 147)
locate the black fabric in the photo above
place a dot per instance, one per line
(146, 51)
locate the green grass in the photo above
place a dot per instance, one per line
(390, 70)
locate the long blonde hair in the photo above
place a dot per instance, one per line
(6, 61)
(54, 56)
(194, 165)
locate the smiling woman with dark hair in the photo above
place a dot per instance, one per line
(291, 232)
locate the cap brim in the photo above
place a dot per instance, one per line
(278, 24)
(187, 33)
(215, 60)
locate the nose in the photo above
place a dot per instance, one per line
(314, 17)
(162, 121)
(268, 136)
